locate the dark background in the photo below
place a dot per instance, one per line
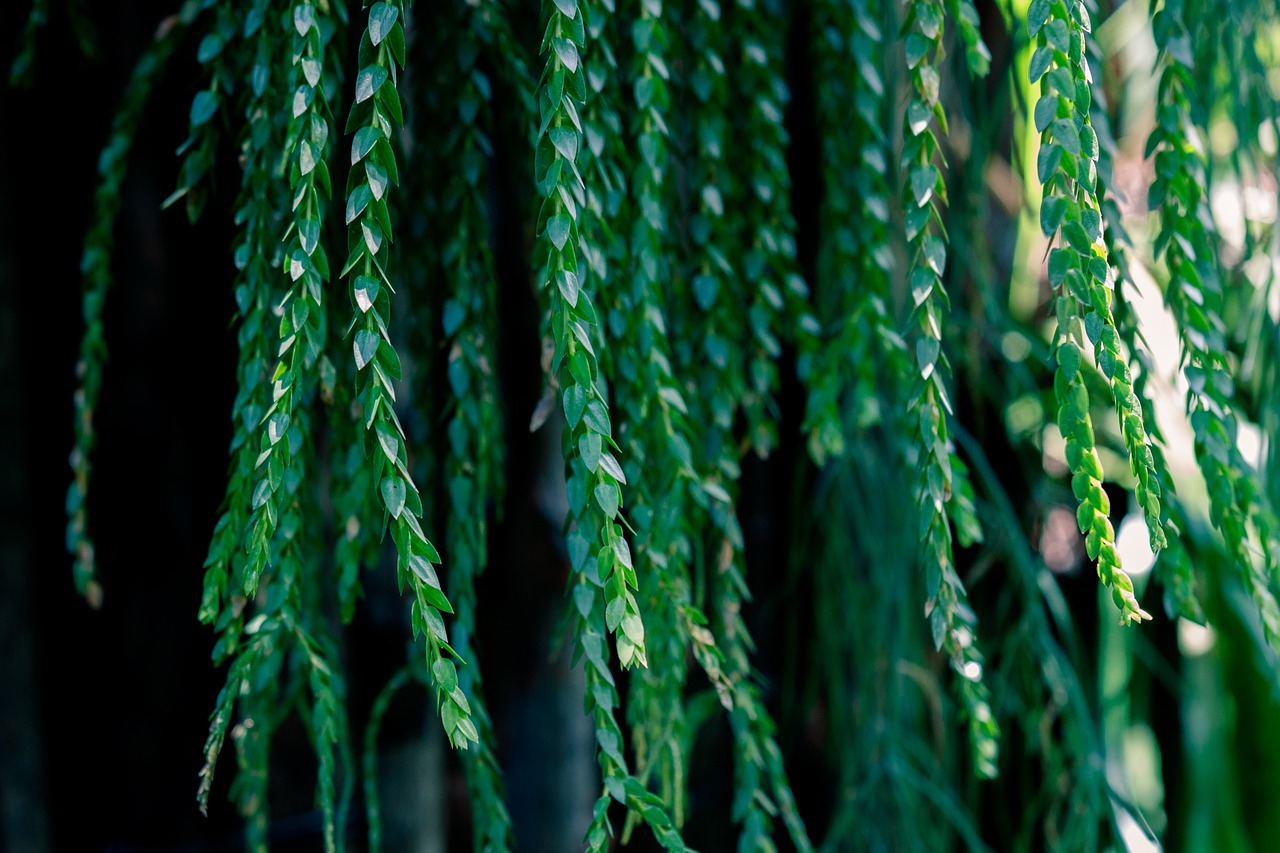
(114, 706)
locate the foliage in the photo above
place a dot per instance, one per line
(688, 292)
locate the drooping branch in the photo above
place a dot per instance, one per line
(375, 114)
(1084, 283)
(95, 264)
(1195, 295)
(940, 482)
(473, 465)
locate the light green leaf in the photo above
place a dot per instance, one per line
(558, 228)
(611, 467)
(590, 446)
(567, 282)
(393, 495)
(607, 497)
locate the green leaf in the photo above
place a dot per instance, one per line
(393, 495)
(1065, 132)
(366, 292)
(311, 70)
(445, 674)
(567, 283)
(1052, 209)
(1046, 110)
(633, 628)
(607, 497)
(567, 52)
(614, 612)
(365, 345)
(358, 201)
(575, 402)
(584, 599)
(565, 141)
(210, 46)
(368, 81)
(930, 18)
(389, 360)
(277, 426)
(1069, 359)
(611, 467)
(390, 441)
(362, 143)
(918, 117)
(558, 228)
(1048, 160)
(1040, 62)
(382, 17)
(1037, 16)
(917, 48)
(705, 288)
(203, 107)
(923, 181)
(597, 417)
(378, 179)
(452, 316)
(1055, 33)
(590, 446)
(309, 235)
(927, 350)
(1091, 221)
(622, 552)
(304, 18)
(935, 253)
(1077, 238)
(1060, 260)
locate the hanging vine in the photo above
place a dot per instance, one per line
(1195, 295)
(694, 278)
(1085, 282)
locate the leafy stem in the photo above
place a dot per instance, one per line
(1084, 281)
(939, 481)
(375, 113)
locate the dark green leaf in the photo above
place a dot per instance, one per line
(1069, 359)
(1037, 15)
(1046, 110)
(365, 345)
(575, 402)
(1064, 131)
(358, 201)
(203, 107)
(363, 142)
(1052, 210)
(393, 495)
(210, 46)
(368, 81)
(382, 17)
